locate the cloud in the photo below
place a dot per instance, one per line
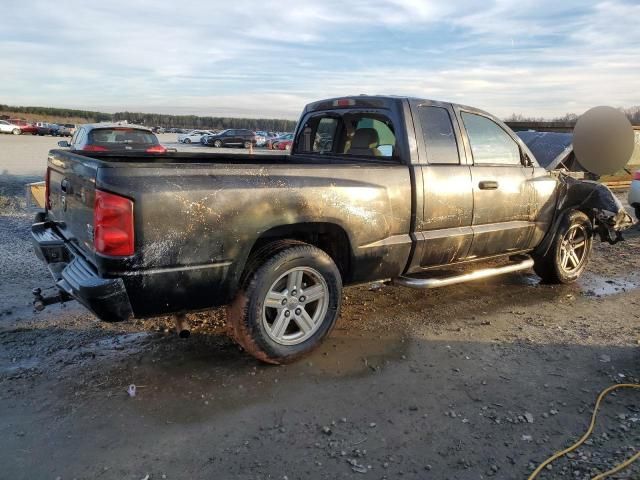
(541, 58)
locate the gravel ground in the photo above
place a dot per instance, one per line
(473, 381)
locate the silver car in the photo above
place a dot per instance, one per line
(634, 194)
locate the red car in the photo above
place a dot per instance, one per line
(23, 126)
(283, 145)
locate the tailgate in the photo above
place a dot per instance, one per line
(71, 195)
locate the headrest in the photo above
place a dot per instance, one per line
(365, 138)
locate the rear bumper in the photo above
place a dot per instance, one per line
(106, 297)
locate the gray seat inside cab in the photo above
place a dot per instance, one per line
(365, 141)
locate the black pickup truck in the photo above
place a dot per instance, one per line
(375, 189)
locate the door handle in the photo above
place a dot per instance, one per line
(488, 185)
(64, 185)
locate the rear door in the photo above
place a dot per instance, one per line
(444, 233)
(503, 196)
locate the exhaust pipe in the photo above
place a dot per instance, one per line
(182, 326)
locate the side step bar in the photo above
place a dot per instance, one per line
(520, 262)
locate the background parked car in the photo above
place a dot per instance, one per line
(273, 142)
(283, 145)
(193, 136)
(634, 194)
(66, 130)
(235, 137)
(46, 128)
(262, 137)
(16, 126)
(6, 127)
(101, 137)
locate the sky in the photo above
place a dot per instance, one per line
(269, 58)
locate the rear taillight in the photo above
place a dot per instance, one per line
(156, 149)
(636, 176)
(94, 148)
(113, 224)
(47, 189)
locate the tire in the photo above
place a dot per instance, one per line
(637, 212)
(270, 318)
(575, 234)
(217, 143)
(246, 144)
(187, 140)
(16, 131)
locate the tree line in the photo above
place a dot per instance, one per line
(632, 113)
(157, 119)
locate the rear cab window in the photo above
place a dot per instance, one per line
(350, 133)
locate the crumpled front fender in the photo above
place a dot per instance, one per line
(605, 210)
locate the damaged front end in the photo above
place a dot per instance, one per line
(596, 200)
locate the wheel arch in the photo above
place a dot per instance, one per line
(561, 219)
(329, 237)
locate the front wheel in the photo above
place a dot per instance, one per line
(217, 143)
(288, 304)
(247, 144)
(569, 253)
(186, 140)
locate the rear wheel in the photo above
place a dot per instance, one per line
(569, 253)
(247, 144)
(16, 131)
(288, 304)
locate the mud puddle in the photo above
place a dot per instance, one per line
(593, 285)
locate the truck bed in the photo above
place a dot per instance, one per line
(198, 217)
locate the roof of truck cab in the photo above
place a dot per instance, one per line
(382, 99)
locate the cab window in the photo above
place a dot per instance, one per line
(490, 144)
(348, 134)
(439, 137)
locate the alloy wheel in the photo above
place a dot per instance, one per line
(573, 249)
(295, 306)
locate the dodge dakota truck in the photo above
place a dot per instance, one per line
(414, 192)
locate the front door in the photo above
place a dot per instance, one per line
(503, 195)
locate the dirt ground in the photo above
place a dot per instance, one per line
(482, 380)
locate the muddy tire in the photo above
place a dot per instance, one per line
(288, 302)
(569, 253)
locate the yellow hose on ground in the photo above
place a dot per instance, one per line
(587, 434)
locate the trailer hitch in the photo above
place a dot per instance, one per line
(40, 302)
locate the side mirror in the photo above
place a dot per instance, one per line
(64, 144)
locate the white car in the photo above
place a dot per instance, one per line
(193, 136)
(7, 127)
(634, 194)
